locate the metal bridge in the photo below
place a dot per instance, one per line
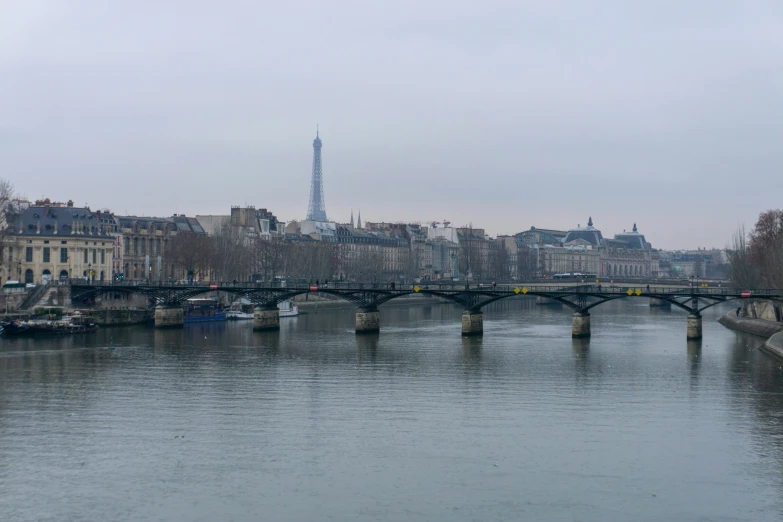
(367, 297)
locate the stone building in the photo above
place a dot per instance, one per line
(144, 242)
(370, 255)
(474, 253)
(56, 241)
(585, 250)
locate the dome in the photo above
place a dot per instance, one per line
(634, 239)
(589, 233)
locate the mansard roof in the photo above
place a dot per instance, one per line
(62, 221)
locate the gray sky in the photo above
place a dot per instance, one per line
(505, 114)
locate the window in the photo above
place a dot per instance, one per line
(103, 257)
(28, 254)
(93, 256)
(85, 255)
(63, 242)
(46, 242)
(64, 255)
(10, 254)
(46, 254)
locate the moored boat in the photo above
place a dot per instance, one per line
(288, 309)
(202, 310)
(67, 325)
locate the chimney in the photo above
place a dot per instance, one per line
(70, 202)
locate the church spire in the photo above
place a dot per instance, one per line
(634, 227)
(351, 218)
(590, 221)
(359, 220)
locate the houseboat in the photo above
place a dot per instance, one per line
(203, 310)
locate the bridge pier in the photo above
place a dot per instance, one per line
(266, 318)
(472, 323)
(368, 320)
(580, 325)
(169, 316)
(694, 327)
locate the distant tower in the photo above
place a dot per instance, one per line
(359, 220)
(317, 209)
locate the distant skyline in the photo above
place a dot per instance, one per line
(508, 115)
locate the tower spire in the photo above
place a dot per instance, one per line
(316, 211)
(359, 220)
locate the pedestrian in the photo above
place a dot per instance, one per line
(648, 288)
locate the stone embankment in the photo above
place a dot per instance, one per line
(760, 318)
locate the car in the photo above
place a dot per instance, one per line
(30, 285)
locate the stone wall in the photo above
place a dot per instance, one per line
(774, 345)
(764, 310)
(750, 325)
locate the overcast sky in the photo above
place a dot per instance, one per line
(506, 114)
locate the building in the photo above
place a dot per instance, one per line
(474, 253)
(50, 241)
(544, 252)
(627, 255)
(145, 241)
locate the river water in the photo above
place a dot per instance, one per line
(216, 422)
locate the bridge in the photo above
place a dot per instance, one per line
(168, 299)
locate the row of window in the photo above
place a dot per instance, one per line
(47, 254)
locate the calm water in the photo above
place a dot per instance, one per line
(215, 422)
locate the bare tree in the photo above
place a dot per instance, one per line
(230, 254)
(8, 212)
(191, 254)
(765, 248)
(271, 257)
(744, 274)
(497, 260)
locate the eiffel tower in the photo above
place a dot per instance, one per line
(316, 211)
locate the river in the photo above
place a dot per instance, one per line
(216, 422)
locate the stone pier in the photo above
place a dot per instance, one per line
(368, 320)
(694, 327)
(580, 325)
(472, 323)
(266, 318)
(169, 317)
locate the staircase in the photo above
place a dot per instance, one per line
(32, 298)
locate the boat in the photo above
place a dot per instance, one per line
(67, 325)
(288, 309)
(238, 315)
(203, 310)
(244, 311)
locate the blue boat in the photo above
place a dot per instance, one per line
(203, 310)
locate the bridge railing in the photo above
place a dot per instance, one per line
(597, 288)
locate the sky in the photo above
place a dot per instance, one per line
(499, 114)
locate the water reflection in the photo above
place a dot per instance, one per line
(367, 347)
(472, 347)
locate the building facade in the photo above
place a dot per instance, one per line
(55, 241)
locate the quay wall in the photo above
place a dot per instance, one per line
(774, 345)
(760, 318)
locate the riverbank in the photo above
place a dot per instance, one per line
(760, 327)
(774, 345)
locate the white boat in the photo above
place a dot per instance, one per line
(238, 315)
(288, 309)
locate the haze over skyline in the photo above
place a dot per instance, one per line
(507, 115)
